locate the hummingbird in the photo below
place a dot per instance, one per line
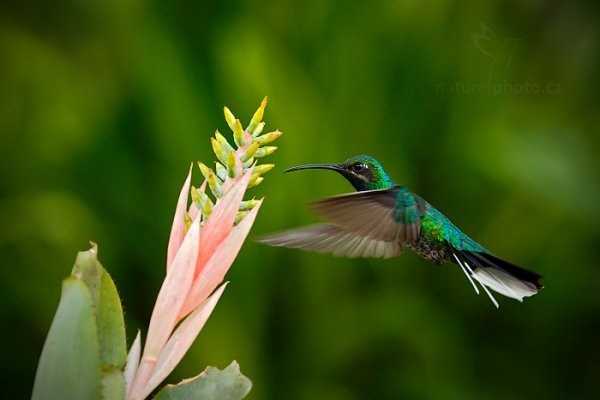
(382, 218)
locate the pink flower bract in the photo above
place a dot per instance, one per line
(197, 261)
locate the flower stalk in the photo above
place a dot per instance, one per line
(205, 238)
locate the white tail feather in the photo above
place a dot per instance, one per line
(470, 273)
(504, 283)
(489, 294)
(467, 270)
(483, 286)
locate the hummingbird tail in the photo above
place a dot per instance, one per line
(499, 275)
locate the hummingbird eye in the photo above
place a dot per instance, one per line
(359, 167)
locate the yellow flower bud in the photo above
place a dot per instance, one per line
(238, 133)
(255, 180)
(215, 186)
(229, 117)
(257, 117)
(221, 170)
(265, 151)
(231, 165)
(263, 168)
(203, 169)
(268, 137)
(249, 152)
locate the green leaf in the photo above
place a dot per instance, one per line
(107, 307)
(113, 384)
(212, 384)
(69, 367)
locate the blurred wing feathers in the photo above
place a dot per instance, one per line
(329, 238)
(389, 214)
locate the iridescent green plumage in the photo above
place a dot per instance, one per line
(382, 218)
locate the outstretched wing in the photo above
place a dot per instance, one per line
(329, 238)
(392, 214)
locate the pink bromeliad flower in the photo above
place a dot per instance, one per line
(205, 240)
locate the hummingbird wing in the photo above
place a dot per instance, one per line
(392, 214)
(329, 238)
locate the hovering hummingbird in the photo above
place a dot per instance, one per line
(382, 218)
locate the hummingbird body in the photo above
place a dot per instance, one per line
(383, 218)
(437, 234)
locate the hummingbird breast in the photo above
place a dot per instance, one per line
(436, 252)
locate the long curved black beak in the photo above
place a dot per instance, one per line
(333, 167)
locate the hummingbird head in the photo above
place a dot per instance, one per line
(363, 172)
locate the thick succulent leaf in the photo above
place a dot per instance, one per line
(113, 384)
(70, 366)
(212, 384)
(107, 307)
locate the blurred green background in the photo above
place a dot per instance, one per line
(489, 110)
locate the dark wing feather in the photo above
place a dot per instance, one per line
(329, 238)
(389, 214)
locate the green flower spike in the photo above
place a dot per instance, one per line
(233, 162)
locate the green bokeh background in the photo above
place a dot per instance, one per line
(489, 110)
